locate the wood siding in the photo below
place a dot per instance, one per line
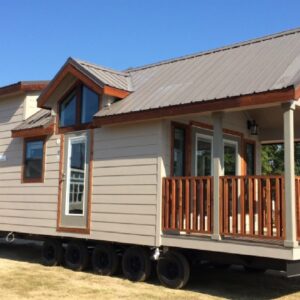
(125, 183)
(125, 188)
(24, 207)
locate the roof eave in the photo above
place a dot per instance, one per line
(262, 98)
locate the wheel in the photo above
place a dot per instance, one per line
(253, 269)
(105, 260)
(136, 264)
(76, 256)
(173, 270)
(221, 266)
(52, 253)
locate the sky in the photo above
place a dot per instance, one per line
(37, 36)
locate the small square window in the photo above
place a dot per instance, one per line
(33, 165)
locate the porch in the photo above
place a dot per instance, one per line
(215, 189)
(251, 207)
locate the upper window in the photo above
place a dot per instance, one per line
(33, 165)
(78, 107)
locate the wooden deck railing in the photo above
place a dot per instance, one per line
(252, 206)
(187, 204)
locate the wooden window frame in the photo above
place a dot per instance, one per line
(187, 147)
(33, 180)
(77, 90)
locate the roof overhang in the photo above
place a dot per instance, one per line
(23, 86)
(250, 100)
(71, 67)
(33, 132)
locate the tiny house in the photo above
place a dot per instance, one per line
(158, 163)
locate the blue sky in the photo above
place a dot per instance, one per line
(36, 37)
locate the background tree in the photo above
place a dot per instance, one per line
(273, 159)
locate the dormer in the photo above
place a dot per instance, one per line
(80, 90)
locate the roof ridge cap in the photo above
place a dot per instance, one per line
(103, 68)
(219, 49)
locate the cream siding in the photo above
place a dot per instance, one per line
(125, 183)
(29, 208)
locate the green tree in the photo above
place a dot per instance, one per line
(273, 159)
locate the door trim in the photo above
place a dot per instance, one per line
(60, 228)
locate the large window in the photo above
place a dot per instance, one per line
(79, 107)
(203, 159)
(33, 165)
(179, 150)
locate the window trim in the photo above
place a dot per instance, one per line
(33, 180)
(76, 88)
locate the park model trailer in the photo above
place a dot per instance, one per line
(161, 162)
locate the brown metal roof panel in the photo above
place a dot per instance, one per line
(42, 118)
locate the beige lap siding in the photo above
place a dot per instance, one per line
(125, 177)
(29, 208)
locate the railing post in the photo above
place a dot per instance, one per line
(289, 175)
(218, 170)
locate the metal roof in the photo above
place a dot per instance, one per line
(23, 86)
(117, 79)
(40, 119)
(264, 64)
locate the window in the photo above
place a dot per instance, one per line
(33, 165)
(68, 111)
(204, 156)
(79, 107)
(76, 175)
(250, 157)
(230, 158)
(89, 105)
(178, 160)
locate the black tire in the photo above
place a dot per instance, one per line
(105, 260)
(173, 270)
(76, 256)
(250, 269)
(136, 264)
(52, 253)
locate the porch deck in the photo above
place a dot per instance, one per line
(251, 208)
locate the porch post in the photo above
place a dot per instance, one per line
(218, 169)
(289, 175)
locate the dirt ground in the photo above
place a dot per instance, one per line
(23, 277)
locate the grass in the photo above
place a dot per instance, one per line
(23, 277)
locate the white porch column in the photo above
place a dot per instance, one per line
(218, 169)
(289, 175)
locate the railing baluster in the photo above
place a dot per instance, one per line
(167, 214)
(225, 208)
(277, 207)
(234, 205)
(194, 189)
(251, 182)
(187, 205)
(173, 204)
(208, 205)
(201, 205)
(242, 201)
(180, 203)
(260, 210)
(268, 208)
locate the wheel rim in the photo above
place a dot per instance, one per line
(134, 265)
(172, 270)
(102, 260)
(74, 256)
(49, 253)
